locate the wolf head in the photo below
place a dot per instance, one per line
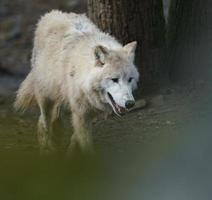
(117, 76)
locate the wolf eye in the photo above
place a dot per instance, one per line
(115, 80)
(130, 79)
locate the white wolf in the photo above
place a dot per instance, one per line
(76, 64)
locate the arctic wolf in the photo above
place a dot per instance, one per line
(75, 64)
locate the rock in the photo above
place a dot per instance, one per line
(8, 85)
(14, 33)
(11, 28)
(14, 28)
(139, 104)
(78, 6)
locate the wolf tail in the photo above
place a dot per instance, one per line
(25, 95)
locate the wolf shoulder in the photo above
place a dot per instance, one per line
(59, 34)
(64, 25)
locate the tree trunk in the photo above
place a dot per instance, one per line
(140, 20)
(190, 39)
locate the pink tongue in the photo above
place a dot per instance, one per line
(120, 109)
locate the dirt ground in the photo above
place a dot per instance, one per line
(162, 152)
(165, 113)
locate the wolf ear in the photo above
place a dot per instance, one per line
(100, 53)
(130, 48)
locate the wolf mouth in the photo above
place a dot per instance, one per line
(118, 109)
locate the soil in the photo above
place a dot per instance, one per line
(165, 113)
(162, 151)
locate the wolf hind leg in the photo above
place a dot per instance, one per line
(55, 125)
(42, 132)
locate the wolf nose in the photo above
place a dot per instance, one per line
(129, 104)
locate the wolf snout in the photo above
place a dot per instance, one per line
(129, 104)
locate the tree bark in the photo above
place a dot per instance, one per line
(140, 20)
(189, 39)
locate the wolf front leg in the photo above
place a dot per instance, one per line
(49, 112)
(82, 137)
(54, 125)
(42, 131)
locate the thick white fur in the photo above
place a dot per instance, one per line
(64, 71)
